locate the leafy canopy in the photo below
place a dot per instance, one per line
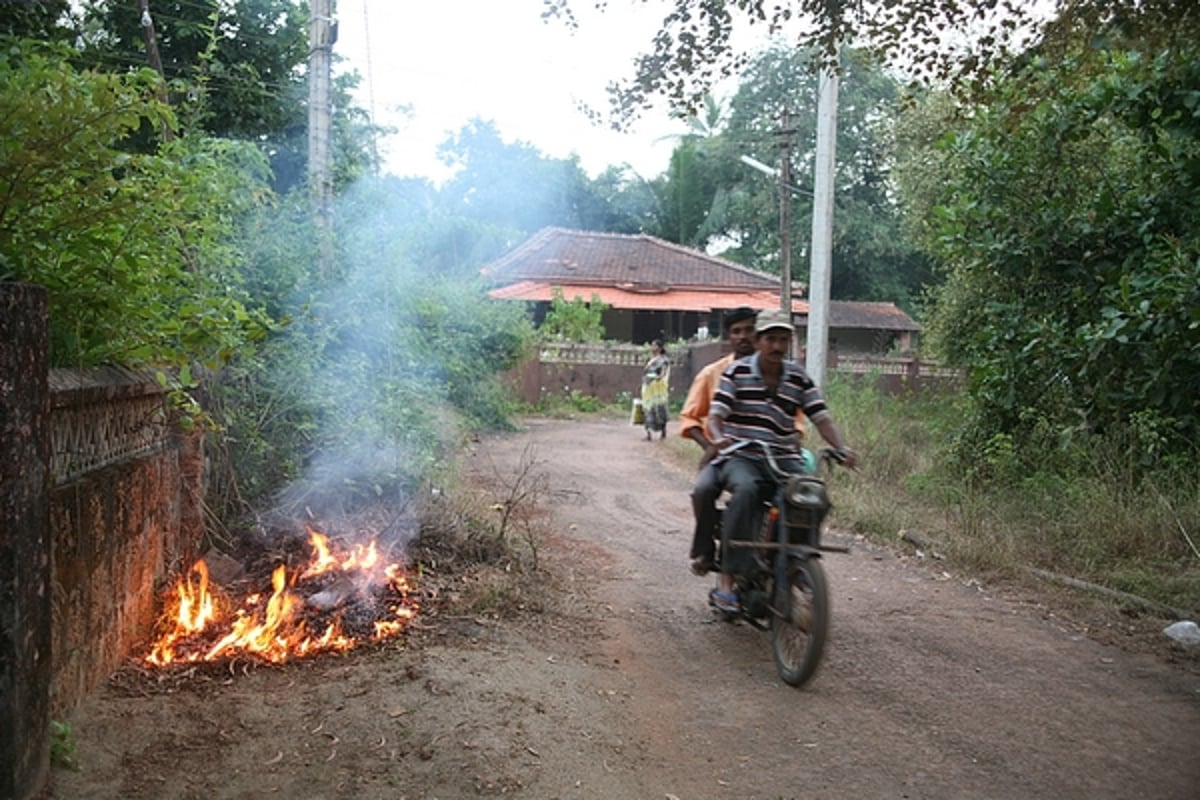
(695, 47)
(235, 69)
(137, 250)
(1066, 213)
(778, 89)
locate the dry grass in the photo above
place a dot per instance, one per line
(480, 542)
(1105, 523)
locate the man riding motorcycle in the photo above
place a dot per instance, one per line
(758, 399)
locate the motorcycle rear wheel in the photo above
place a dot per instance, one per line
(801, 621)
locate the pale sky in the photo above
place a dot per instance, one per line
(453, 60)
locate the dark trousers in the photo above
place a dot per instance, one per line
(705, 492)
(747, 480)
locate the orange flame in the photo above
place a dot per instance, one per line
(278, 630)
(363, 557)
(196, 609)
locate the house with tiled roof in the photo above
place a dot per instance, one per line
(658, 289)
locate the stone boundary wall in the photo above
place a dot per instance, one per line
(899, 375)
(124, 518)
(100, 506)
(609, 370)
(606, 372)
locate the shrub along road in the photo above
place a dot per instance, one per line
(624, 686)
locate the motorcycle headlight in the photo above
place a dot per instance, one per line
(806, 492)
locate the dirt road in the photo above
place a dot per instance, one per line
(933, 686)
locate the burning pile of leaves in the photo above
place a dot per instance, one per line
(322, 595)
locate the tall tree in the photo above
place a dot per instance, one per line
(244, 56)
(628, 202)
(515, 188)
(235, 70)
(687, 192)
(871, 259)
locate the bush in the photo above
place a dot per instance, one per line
(138, 252)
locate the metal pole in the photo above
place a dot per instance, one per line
(822, 228)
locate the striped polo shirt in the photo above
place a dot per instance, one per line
(751, 411)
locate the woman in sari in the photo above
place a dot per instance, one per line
(654, 390)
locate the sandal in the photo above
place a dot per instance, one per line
(725, 602)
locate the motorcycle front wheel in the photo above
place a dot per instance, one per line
(801, 621)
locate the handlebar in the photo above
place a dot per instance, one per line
(825, 455)
(835, 454)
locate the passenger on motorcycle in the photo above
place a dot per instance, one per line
(693, 418)
(758, 399)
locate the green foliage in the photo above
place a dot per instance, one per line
(1066, 219)
(574, 320)
(44, 20)
(628, 203)
(1142, 353)
(691, 189)
(138, 251)
(697, 43)
(471, 339)
(235, 70)
(62, 745)
(1087, 508)
(708, 195)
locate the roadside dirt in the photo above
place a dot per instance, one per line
(624, 685)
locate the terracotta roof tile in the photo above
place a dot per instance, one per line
(872, 316)
(640, 272)
(559, 255)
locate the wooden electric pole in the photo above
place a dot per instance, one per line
(320, 177)
(822, 226)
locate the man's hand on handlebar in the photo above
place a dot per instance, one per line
(844, 456)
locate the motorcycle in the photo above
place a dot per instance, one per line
(785, 592)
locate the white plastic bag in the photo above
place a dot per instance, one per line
(1184, 632)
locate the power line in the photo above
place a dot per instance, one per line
(370, 90)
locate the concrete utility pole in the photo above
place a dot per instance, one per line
(825, 167)
(150, 38)
(320, 173)
(785, 218)
(152, 55)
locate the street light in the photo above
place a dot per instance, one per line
(754, 163)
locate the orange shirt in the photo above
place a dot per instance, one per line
(700, 393)
(704, 386)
